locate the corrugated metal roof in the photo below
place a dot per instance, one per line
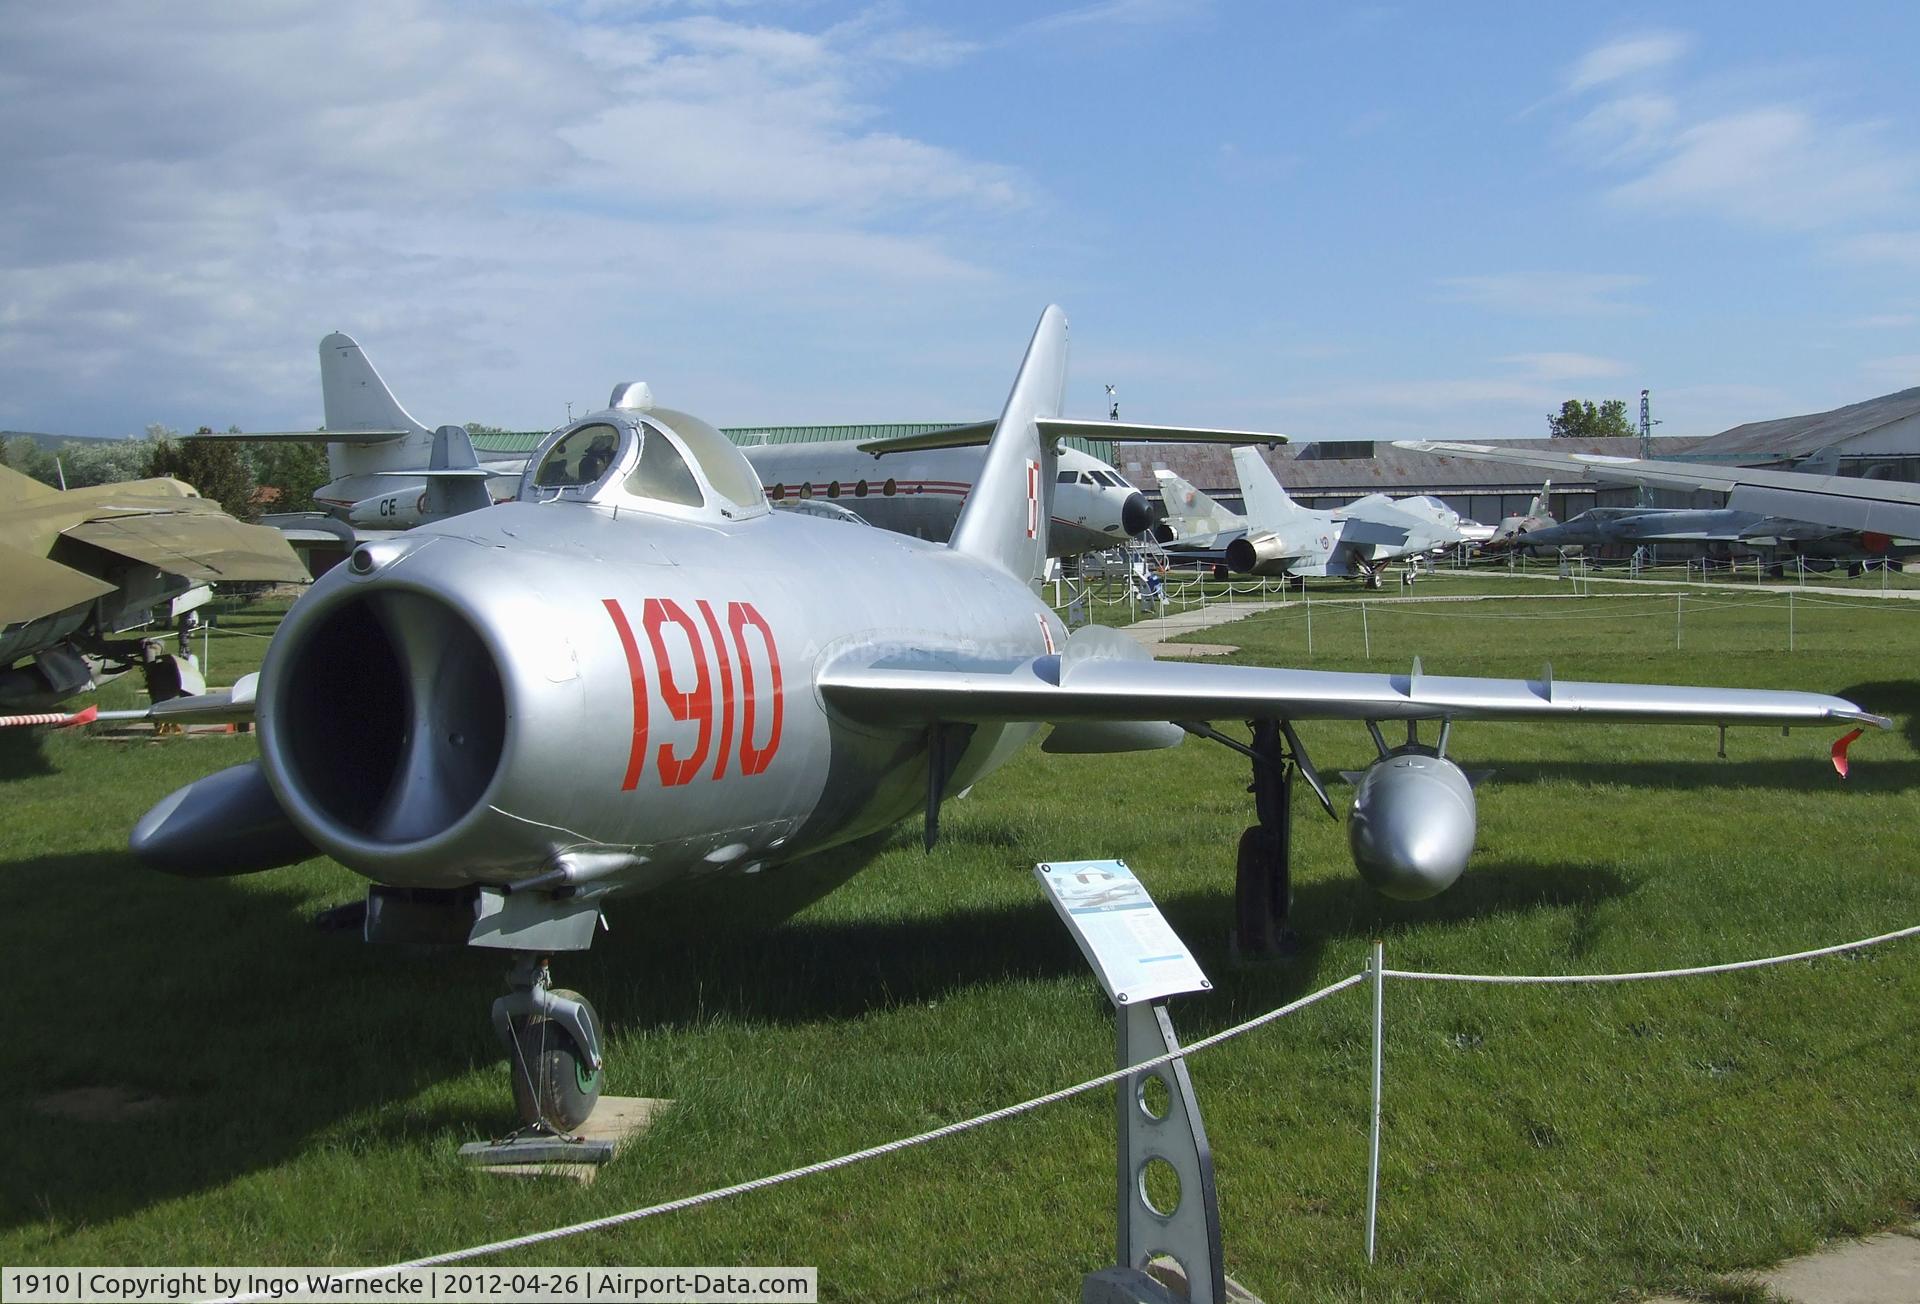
(1786, 437)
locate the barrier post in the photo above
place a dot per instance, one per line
(1365, 637)
(1307, 594)
(1789, 620)
(1378, 966)
(1678, 598)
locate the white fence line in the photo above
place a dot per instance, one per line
(1375, 973)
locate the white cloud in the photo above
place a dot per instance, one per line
(501, 188)
(1696, 149)
(1566, 366)
(1776, 166)
(1551, 294)
(1627, 57)
(1112, 14)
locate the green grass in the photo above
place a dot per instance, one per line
(1562, 1144)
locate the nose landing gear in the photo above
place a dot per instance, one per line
(554, 1049)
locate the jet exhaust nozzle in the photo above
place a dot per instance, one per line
(1265, 554)
(1413, 825)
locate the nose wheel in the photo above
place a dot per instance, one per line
(553, 1043)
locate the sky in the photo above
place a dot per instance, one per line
(1340, 222)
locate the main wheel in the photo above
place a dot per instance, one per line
(552, 1080)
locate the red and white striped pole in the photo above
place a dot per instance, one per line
(59, 719)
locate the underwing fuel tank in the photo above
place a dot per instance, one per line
(1412, 825)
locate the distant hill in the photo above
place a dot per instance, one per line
(52, 443)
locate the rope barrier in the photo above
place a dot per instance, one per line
(1374, 972)
(1549, 979)
(859, 1156)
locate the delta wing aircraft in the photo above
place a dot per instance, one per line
(640, 674)
(80, 565)
(1536, 517)
(1877, 511)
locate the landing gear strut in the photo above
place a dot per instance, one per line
(553, 1046)
(1263, 878)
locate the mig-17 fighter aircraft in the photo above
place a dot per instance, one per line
(639, 674)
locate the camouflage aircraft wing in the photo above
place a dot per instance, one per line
(200, 546)
(36, 587)
(976, 433)
(1060, 689)
(1889, 507)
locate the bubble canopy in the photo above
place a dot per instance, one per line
(659, 460)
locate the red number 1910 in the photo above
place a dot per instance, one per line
(728, 660)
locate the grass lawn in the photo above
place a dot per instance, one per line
(251, 1090)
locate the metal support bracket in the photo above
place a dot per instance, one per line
(1189, 1231)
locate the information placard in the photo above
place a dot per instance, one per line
(1132, 948)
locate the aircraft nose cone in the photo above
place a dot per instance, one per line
(1136, 514)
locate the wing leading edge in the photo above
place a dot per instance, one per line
(1048, 690)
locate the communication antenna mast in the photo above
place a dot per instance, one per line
(1113, 403)
(1647, 423)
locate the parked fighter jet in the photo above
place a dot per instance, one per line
(80, 565)
(1637, 525)
(1536, 517)
(1876, 510)
(1284, 538)
(1196, 520)
(640, 674)
(378, 453)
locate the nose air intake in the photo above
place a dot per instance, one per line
(391, 719)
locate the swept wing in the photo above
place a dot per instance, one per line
(1889, 507)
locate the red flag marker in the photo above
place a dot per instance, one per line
(1840, 752)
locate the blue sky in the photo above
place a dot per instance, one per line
(1340, 222)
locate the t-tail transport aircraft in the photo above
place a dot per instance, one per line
(649, 677)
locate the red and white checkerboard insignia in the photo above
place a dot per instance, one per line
(1033, 499)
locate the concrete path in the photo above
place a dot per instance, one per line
(1883, 1269)
(1161, 635)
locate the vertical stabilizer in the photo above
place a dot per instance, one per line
(1539, 504)
(1004, 520)
(1267, 505)
(16, 488)
(356, 399)
(456, 483)
(1191, 513)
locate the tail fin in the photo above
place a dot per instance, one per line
(1004, 520)
(1191, 513)
(1538, 507)
(456, 483)
(355, 398)
(1268, 507)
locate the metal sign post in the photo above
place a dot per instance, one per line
(1163, 1168)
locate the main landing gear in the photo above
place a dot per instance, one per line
(1263, 869)
(553, 1046)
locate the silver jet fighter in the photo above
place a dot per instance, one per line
(1284, 538)
(640, 674)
